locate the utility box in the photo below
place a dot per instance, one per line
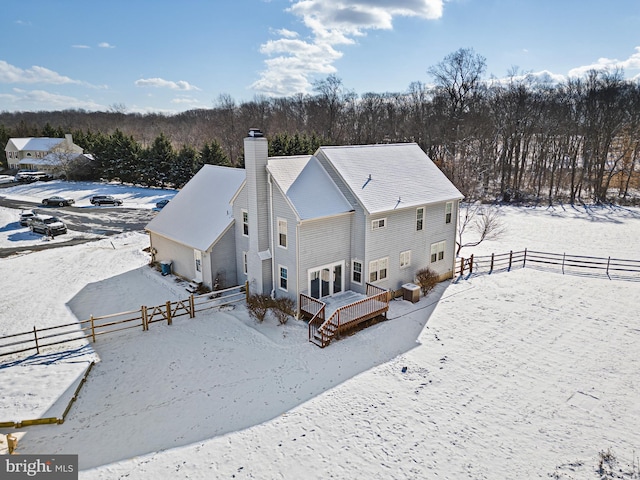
(165, 267)
(411, 292)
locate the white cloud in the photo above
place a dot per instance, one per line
(80, 46)
(105, 45)
(162, 83)
(12, 74)
(294, 62)
(35, 100)
(631, 63)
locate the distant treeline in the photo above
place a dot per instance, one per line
(513, 140)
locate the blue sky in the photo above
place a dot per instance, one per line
(171, 56)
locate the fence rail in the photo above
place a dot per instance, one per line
(611, 268)
(39, 339)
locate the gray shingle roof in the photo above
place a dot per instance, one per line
(390, 176)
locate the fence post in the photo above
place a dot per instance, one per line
(491, 269)
(192, 307)
(471, 264)
(461, 266)
(524, 260)
(93, 330)
(35, 334)
(168, 312)
(563, 255)
(510, 260)
(246, 291)
(608, 262)
(145, 323)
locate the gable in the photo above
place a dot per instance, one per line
(308, 187)
(200, 213)
(390, 176)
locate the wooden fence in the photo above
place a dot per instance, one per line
(42, 338)
(611, 268)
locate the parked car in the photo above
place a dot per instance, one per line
(7, 179)
(105, 200)
(47, 225)
(29, 177)
(59, 201)
(161, 204)
(25, 217)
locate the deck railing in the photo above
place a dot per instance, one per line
(349, 316)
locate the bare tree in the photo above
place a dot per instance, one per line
(484, 221)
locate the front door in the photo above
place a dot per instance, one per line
(326, 280)
(197, 257)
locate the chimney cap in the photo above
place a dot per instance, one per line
(255, 132)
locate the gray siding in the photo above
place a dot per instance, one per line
(285, 257)
(242, 242)
(221, 267)
(181, 256)
(322, 242)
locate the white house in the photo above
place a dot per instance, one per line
(313, 226)
(40, 153)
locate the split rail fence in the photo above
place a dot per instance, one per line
(39, 339)
(611, 268)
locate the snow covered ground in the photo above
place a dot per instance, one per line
(526, 374)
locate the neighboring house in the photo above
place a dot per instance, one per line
(316, 224)
(37, 153)
(195, 230)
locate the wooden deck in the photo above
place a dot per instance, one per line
(336, 315)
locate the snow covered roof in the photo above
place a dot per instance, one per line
(40, 144)
(390, 176)
(308, 187)
(200, 212)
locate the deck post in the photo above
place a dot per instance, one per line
(168, 312)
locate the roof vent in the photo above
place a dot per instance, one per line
(255, 132)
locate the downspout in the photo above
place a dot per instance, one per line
(455, 235)
(273, 251)
(298, 269)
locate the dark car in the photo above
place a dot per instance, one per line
(161, 204)
(59, 201)
(47, 225)
(105, 200)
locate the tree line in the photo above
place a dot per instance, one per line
(513, 140)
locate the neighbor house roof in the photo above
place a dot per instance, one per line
(39, 144)
(308, 187)
(200, 213)
(390, 176)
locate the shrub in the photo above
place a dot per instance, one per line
(282, 308)
(427, 279)
(258, 305)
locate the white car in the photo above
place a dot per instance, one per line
(7, 179)
(25, 217)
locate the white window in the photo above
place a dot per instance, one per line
(245, 223)
(245, 269)
(437, 251)
(405, 259)
(283, 278)
(378, 269)
(282, 233)
(419, 218)
(448, 209)
(357, 272)
(378, 224)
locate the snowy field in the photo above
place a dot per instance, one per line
(526, 374)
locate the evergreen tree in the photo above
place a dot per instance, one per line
(184, 166)
(212, 154)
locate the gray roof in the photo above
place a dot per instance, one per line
(390, 176)
(200, 213)
(308, 187)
